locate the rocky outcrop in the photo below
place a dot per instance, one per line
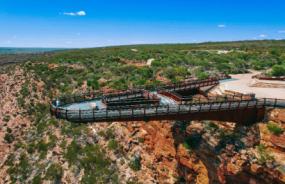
(210, 159)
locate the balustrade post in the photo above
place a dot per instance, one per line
(93, 114)
(66, 114)
(275, 103)
(247, 104)
(200, 107)
(256, 103)
(220, 106)
(80, 115)
(210, 106)
(264, 102)
(56, 112)
(238, 105)
(106, 113)
(144, 111)
(132, 111)
(120, 112)
(230, 105)
(156, 110)
(179, 108)
(167, 109)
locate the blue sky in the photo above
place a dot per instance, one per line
(94, 23)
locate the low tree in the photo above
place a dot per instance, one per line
(278, 70)
(224, 67)
(169, 72)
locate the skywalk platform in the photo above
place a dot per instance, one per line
(163, 103)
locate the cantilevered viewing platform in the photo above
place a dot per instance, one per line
(171, 101)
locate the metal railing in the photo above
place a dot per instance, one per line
(157, 110)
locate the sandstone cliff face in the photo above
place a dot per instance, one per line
(210, 159)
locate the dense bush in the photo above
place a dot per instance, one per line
(9, 138)
(9, 130)
(97, 166)
(203, 76)
(135, 164)
(54, 172)
(278, 70)
(37, 179)
(113, 144)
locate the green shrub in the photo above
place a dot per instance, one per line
(102, 133)
(43, 155)
(54, 172)
(37, 179)
(109, 133)
(278, 70)
(54, 122)
(264, 154)
(136, 164)
(11, 170)
(272, 127)
(122, 161)
(72, 151)
(6, 118)
(113, 144)
(63, 144)
(41, 146)
(76, 131)
(9, 160)
(9, 130)
(9, 138)
(203, 76)
(31, 148)
(18, 145)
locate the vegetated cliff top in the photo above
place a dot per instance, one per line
(265, 44)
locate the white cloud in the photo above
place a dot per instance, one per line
(194, 40)
(80, 13)
(262, 36)
(68, 42)
(7, 42)
(281, 31)
(254, 38)
(15, 36)
(78, 33)
(221, 25)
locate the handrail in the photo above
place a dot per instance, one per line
(156, 110)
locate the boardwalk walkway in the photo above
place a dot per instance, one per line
(236, 109)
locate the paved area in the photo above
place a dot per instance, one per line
(239, 85)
